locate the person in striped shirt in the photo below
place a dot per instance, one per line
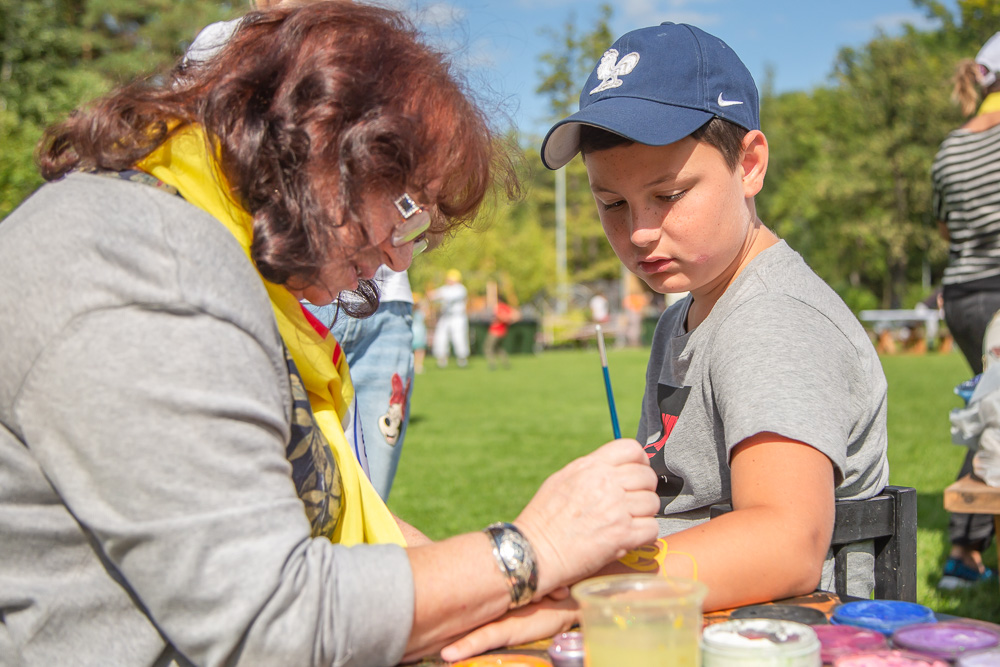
(966, 180)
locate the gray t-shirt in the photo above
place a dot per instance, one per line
(780, 352)
(147, 510)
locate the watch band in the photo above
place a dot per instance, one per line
(516, 560)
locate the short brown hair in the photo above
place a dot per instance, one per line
(313, 106)
(723, 135)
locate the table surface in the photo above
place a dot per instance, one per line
(972, 496)
(824, 602)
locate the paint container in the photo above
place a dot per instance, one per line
(946, 641)
(640, 619)
(888, 659)
(988, 658)
(503, 660)
(840, 640)
(759, 642)
(567, 650)
(885, 616)
(781, 612)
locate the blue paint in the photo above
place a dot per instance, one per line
(884, 616)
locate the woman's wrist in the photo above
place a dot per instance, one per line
(517, 561)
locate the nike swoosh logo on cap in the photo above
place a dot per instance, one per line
(727, 103)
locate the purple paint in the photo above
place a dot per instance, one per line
(839, 640)
(945, 640)
(567, 650)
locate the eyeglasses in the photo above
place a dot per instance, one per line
(416, 221)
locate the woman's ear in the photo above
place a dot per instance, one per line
(753, 164)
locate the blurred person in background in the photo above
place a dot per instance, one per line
(504, 314)
(966, 181)
(451, 333)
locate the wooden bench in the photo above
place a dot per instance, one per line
(971, 496)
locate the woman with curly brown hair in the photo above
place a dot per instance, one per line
(176, 484)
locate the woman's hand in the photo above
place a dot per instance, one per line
(549, 616)
(591, 512)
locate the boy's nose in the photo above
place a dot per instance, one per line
(645, 230)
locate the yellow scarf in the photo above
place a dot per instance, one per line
(990, 104)
(183, 162)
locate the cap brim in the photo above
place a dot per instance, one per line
(627, 116)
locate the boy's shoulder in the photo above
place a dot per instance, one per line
(781, 271)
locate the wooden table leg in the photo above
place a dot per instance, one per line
(996, 537)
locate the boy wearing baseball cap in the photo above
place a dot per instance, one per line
(762, 387)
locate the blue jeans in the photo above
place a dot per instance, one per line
(379, 351)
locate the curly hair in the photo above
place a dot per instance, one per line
(313, 106)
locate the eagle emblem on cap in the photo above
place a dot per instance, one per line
(611, 68)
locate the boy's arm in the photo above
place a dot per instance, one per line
(773, 544)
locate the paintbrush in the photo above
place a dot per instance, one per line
(607, 383)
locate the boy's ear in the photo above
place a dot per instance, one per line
(753, 164)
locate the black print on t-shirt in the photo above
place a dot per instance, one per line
(671, 401)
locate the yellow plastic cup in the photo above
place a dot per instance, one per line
(640, 619)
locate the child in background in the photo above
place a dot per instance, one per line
(503, 316)
(762, 387)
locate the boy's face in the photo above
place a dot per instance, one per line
(677, 216)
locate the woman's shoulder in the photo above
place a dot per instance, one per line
(987, 121)
(118, 242)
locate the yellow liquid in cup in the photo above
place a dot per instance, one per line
(642, 646)
(640, 619)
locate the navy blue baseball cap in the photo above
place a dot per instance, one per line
(656, 86)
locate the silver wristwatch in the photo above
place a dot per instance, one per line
(516, 559)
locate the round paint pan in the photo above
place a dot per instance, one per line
(946, 641)
(885, 616)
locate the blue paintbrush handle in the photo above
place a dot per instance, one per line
(611, 404)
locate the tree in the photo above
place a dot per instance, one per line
(58, 54)
(565, 69)
(849, 183)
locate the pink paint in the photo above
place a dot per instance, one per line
(988, 658)
(888, 659)
(840, 640)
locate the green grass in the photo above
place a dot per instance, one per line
(480, 443)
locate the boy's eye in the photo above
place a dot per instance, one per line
(610, 206)
(673, 197)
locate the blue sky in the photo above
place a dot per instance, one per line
(500, 42)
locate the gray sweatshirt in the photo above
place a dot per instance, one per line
(147, 513)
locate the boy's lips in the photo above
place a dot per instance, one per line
(655, 264)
